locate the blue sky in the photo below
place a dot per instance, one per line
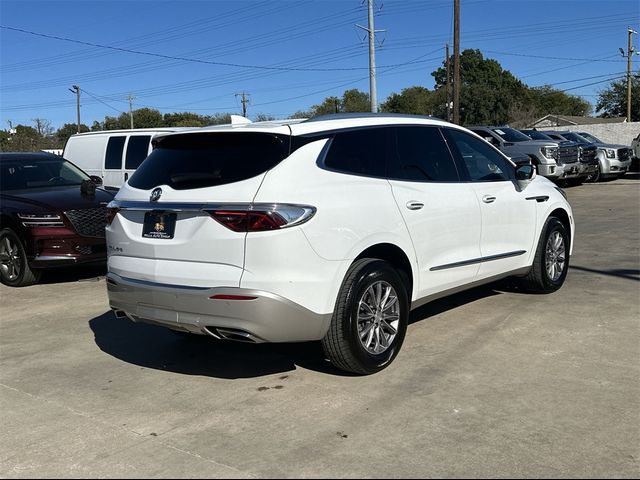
(286, 54)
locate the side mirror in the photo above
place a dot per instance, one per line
(521, 160)
(96, 179)
(524, 174)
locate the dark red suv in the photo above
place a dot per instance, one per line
(51, 214)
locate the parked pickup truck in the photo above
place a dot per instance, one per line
(544, 154)
(588, 153)
(613, 160)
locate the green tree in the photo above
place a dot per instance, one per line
(352, 101)
(68, 129)
(486, 90)
(413, 100)
(263, 117)
(612, 101)
(142, 118)
(184, 119)
(328, 105)
(26, 139)
(355, 101)
(548, 100)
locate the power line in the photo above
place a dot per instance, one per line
(184, 59)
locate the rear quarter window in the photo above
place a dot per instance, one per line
(360, 152)
(201, 160)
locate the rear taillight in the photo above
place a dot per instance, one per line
(262, 218)
(111, 214)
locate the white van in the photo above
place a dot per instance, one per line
(112, 155)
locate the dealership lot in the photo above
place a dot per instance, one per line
(490, 382)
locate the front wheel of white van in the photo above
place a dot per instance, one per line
(369, 322)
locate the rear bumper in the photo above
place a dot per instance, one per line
(266, 317)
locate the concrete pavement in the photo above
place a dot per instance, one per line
(489, 383)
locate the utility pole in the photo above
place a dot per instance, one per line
(448, 90)
(131, 98)
(244, 101)
(629, 54)
(373, 92)
(456, 61)
(76, 89)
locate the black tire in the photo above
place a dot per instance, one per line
(14, 268)
(540, 279)
(594, 177)
(342, 344)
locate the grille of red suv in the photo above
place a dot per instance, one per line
(89, 222)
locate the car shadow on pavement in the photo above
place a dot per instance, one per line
(82, 273)
(159, 348)
(459, 299)
(627, 273)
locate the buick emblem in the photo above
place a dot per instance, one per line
(155, 194)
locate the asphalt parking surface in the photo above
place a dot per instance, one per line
(489, 383)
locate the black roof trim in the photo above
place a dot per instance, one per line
(343, 116)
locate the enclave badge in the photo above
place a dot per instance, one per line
(155, 194)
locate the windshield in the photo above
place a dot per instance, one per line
(574, 137)
(511, 135)
(536, 135)
(590, 138)
(26, 173)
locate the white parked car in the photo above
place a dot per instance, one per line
(329, 229)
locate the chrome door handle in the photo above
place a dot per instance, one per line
(488, 199)
(415, 205)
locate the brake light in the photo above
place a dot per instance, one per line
(262, 218)
(248, 221)
(111, 214)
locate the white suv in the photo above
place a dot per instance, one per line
(329, 229)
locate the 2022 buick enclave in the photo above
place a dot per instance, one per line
(329, 229)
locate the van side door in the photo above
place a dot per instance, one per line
(138, 148)
(113, 159)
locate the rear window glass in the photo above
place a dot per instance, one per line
(200, 160)
(113, 160)
(137, 149)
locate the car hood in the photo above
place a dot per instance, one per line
(538, 143)
(57, 198)
(610, 145)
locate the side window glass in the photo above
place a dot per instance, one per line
(483, 163)
(137, 149)
(422, 155)
(361, 152)
(113, 159)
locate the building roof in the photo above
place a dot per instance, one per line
(569, 120)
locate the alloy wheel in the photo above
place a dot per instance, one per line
(378, 317)
(555, 256)
(9, 258)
